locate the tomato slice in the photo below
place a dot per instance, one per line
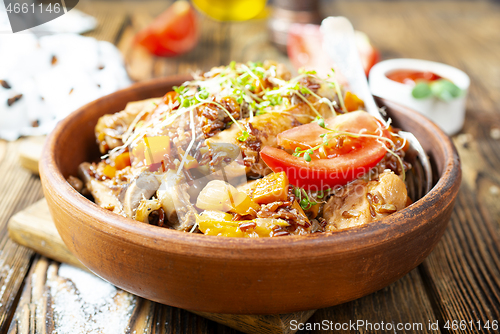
(172, 33)
(340, 164)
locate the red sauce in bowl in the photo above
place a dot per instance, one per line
(409, 77)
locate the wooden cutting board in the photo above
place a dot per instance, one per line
(34, 228)
(30, 152)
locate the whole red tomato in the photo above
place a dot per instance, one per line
(172, 33)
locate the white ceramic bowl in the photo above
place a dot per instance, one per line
(448, 115)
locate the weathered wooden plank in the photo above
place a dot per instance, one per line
(464, 270)
(18, 189)
(33, 228)
(71, 302)
(30, 151)
(3, 149)
(109, 25)
(403, 303)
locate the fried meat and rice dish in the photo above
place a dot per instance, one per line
(246, 150)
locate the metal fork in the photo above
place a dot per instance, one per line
(339, 43)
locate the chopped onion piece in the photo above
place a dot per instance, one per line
(215, 195)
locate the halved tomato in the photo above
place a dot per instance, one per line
(340, 161)
(172, 33)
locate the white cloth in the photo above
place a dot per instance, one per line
(56, 75)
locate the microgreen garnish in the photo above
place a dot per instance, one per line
(303, 198)
(334, 84)
(244, 136)
(304, 71)
(322, 194)
(306, 154)
(204, 94)
(442, 89)
(321, 122)
(180, 89)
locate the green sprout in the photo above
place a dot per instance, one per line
(303, 198)
(321, 122)
(244, 136)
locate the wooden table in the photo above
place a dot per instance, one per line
(460, 280)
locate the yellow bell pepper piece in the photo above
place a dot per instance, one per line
(156, 148)
(152, 149)
(264, 226)
(122, 161)
(352, 102)
(190, 162)
(271, 188)
(241, 204)
(109, 171)
(220, 224)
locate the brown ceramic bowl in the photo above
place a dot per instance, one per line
(232, 275)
